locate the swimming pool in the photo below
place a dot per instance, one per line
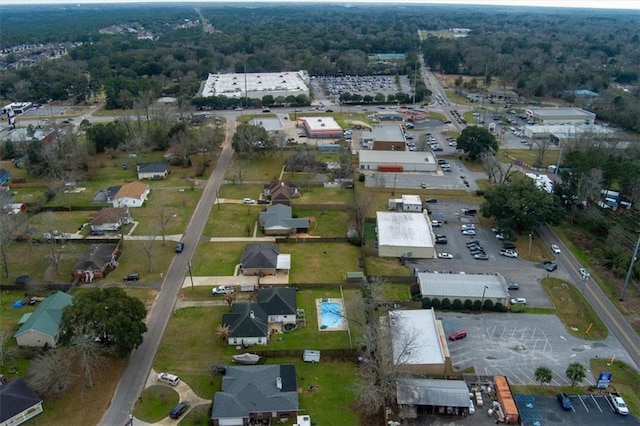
(331, 315)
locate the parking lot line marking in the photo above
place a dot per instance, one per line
(596, 402)
(583, 404)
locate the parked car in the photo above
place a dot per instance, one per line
(555, 249)
(444, 255)
(518, 301)
(618, 404)
(468, 232)
(509, 253)
(178, 410)
(179, 247)
(508, 245)
(170, 379)
(441, 239)
(480, 256)
(431, 201)
(457, 335)
(550, 266)
(513, 286)
(436, 223)
(468, 226)
(565, 402)
(223, 289)
(131, 277)
(248, 201)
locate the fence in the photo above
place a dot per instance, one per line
(331, 354)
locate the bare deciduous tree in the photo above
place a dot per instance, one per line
(497, 171)
(147, 246)
(87, 352)
(50, 373)
(10, 224)
(360, 208)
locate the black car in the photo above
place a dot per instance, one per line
(180, 247)
(431, 200)
(564, 401)
(508, 245)
(441, 239)
(131, 277)
(550, 266)
(178, 410)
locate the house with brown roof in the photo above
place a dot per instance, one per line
(110, 219)
(280, 192)
(96, 262)
(132, 194)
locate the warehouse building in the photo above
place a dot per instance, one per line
(257, 85)
(562, 133)
(385, 138)
(552, 116)
(418, 342)
(320, 127)
(273, 126)
(464, 287)
(402, 234)
(397, 161)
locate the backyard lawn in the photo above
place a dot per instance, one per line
(320, 262)
(216, 259)
(326, 223)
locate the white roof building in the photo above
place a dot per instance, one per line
(542, 181)
(402, 161)
(561, 116)
(418, 341)
(321, 127)
(257, 85)
(270, 124)
(463, 287)
(566, 132)
(403, 234)
(408, 203)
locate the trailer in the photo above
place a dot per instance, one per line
(247, 288)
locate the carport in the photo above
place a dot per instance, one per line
(430, 396)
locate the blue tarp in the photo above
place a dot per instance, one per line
(17, 304)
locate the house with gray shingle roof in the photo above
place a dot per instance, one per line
(279, 304)
(18, 403)
(42, 328)
(248, 324)
(96, 262)
(152, 170)
(260, 259)
(256, 393)
(278, 220)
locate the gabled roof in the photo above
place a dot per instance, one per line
(96, 256)
(256, 389)
(445, 393)
(157, 167)
(47, 316)
(279, 216)
(132, 190)
(5, 175)
(16, 397)
(110, 215)
(246, 320)
(278, 301)
(260, 256)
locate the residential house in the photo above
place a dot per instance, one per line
(256, 393)
(260, 259)
(253, 323)
(5, 177)
(14, 208)
(110, 219)
(278, 220)
(247, 324)
(156, 170)
(132, 194)
(281, 192)
(96, 262)
(42, 327)
(18, 403)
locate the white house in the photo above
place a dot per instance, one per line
(18, 403)
(152, 170)
(132, 194)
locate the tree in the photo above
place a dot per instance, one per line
(9, 225)
(543, 375)
(576, 372)
(476, 140)
(497, 171)
(360, 208)
(249, 139)
(521, 206)
(50, 373)
(222, 332)
(113, 316)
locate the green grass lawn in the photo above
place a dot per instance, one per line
(238, 192)
(320, 262)
(469, 117)
(575, 312)
(326, 223)
(156, 403)
(394, 291)
(170, 206)
(625, 379)
(217, 259)
(432, 115)
(265, 167)
(530, 155)
(232, 220)
(319, 195)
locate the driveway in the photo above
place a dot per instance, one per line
(514, 345)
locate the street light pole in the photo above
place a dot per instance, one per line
(628, 277)
(530, 240)
(483, 292)
(585, 276)
(190, 274)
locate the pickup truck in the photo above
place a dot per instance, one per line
(618, 404)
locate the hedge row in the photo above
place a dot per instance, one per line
(459, 305)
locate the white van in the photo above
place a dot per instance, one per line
(169, 379)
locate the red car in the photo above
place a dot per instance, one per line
(457, 335)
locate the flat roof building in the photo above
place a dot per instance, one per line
(257, 85)
(271, 125)
(397, 161)
(403, 234)
(464, 287)
(320, 127)
(561, 133)
(561, 116)
(385, 138)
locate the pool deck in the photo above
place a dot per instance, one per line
(343, 326)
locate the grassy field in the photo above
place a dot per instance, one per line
(232, 220)
(238, 192)
(320, 262)
(216, 259)
(625, 379)
(326, 223)
(530, 155)
(575, 312)
(156, 403)
(262, 168)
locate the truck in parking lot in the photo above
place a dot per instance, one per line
(618, 404)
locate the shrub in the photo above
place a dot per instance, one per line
(498, 307)
(476, 305)
(468, 304)
(446, 303)
(457, 304)
(361, 177)
(488, 305)
(517, 308)
(426, 303)
(435, 303)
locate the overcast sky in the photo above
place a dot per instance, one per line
(598, 4)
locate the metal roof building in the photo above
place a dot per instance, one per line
(404, 235)
(561, 116)
(463, 287)
(566, 132)
(400, 161)
(411, 393)
(257, 85)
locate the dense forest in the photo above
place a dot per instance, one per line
(538, 52)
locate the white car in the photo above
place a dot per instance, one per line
(223, 289)
(619, 406)
(555, 249)
(469, 226)
(509, 253)
(444, 255)
(468, 232)
(518, 301)
(248, 201)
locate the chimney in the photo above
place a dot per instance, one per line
(279, 383)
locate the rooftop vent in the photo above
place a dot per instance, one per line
(279, 382)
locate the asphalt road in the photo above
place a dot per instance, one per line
(140, 362)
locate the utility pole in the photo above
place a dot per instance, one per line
(628, 277)
(585, 277)
(190, 274)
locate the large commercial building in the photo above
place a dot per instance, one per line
(402, 234)
(385, 138)
(464, 287)
(561, 133)
(560, 116)
(320, 127)
(257, 85)
(397, 161)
